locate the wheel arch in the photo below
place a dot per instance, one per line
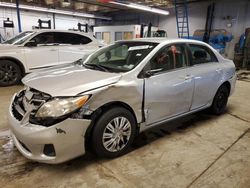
(16, 61)
(97, 114)
(227, 84)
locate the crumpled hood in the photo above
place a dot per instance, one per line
(69, 80)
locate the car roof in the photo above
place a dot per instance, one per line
(166, 40)
(57, 30)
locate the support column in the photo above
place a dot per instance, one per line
(18, 16)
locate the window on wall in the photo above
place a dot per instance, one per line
(106, 37)
(127, 35)
(98, 35)
(201, 54)
(118, 36)
(169, 58)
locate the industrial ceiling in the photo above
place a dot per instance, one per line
(96, 7)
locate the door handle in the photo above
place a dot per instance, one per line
(53, 49)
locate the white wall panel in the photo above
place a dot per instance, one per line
(30, 18)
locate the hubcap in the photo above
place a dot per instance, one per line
(116, 134)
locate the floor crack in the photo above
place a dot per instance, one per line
(238, 117)
(112, 174)
(204, 171)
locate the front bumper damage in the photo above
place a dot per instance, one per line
(55, 144)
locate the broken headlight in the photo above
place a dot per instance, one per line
(61, 106)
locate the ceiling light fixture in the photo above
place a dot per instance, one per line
(56, 11)
(142, 7)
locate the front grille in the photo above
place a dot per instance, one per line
(17, 106)
(28, 101)
(16, 114)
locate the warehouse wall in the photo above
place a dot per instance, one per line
(30, 18)
(131, 17)
(239, 10)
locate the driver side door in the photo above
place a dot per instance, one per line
(44, 54)
(168, 89)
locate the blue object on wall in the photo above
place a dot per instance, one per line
(217, 39)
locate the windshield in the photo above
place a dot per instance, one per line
(121, 56)
(19, 39)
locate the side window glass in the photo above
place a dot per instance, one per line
(71, 38)
(62, 38)
(171, 57)
(84, 40)
(201, 55)
(44, 38)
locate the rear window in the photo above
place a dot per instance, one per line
(202, 54)
(71, 38)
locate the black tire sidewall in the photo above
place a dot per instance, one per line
(214, 107)
(100, 125)
(19, 76)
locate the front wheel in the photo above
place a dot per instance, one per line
(114, 132)
(220, 100)
(10, 73)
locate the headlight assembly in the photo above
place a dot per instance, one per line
(61, 106)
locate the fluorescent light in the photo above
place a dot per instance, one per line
(56, 11)
(142, 7)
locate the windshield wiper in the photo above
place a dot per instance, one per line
(100, 67)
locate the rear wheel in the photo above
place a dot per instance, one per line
(220, 100)
(114, 132)
(10, 73)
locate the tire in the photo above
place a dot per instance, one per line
(10, 73)
(106, 146)
(220, 100)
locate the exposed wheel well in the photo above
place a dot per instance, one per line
(97, 114)
(16, 61)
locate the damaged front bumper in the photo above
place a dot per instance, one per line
(55, 144)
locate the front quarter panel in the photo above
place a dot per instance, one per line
(229, 74)
(129, 92)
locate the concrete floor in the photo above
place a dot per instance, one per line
(200, 150)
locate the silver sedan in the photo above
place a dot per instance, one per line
(105, 100)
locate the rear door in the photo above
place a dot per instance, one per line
(205, 71)
(73, 46)
(169, 90)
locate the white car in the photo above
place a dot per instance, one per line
(116, 93)
(34, 50)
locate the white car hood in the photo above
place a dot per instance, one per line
(69, 80)
(8, 47)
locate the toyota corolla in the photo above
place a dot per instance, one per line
(106, 100)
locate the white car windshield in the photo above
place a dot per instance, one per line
(121, 56)
(19, 39)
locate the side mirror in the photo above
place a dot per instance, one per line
(31, 43)
(150, 73)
